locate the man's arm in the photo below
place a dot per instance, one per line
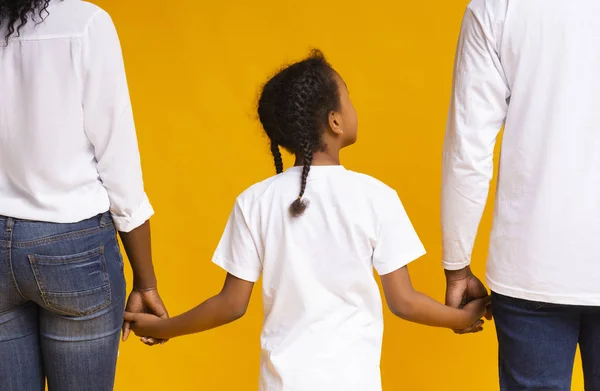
(477, 113)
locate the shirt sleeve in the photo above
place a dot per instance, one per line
(477, 112)
(397, 243)
(109, 125)
(237, 251)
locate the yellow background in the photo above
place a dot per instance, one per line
(195, 68)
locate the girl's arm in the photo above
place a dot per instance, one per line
(227, 306)
(406, 303)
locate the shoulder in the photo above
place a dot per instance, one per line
(373, 185)
(255, 192)
(67, 19)
(77, 14)
(488, 10)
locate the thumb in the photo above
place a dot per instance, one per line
(126, 330)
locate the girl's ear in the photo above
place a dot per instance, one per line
(335, 122)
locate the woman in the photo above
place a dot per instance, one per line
(70, 178)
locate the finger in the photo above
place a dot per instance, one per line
(130, 317)
(149, 341)
(470, 329)
(160, 310)
(488, 312)
(126, 330)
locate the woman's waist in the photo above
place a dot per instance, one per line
(23, 232)
(69, 205)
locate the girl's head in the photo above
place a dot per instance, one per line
(15, 14)
(305, 108)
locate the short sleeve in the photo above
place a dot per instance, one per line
(397, 244)
(237, 252)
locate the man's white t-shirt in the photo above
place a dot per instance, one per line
(534, 67)
(323, 323)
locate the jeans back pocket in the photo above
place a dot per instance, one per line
(76, 285)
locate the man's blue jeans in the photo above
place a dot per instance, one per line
(538, 343)
(62, 295)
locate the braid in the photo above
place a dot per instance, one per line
(293, 109)
(300, 204)
(277, 157)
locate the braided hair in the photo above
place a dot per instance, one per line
(294, 108)
(16, 13)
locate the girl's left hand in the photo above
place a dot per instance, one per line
(146, 325)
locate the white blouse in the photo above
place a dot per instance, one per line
(68, 148)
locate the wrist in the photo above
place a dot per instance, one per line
(458, 275)
(168, 329)
(164, 329)
(144, 285)
(461, 320)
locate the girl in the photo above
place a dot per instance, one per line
(323, 314)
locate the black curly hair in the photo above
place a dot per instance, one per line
(294, 108)
(16, 13)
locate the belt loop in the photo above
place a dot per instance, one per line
(10, 223)
(103, 220)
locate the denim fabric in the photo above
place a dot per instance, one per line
(538, 342)
(62, 295)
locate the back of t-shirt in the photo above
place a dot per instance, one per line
(323, 314)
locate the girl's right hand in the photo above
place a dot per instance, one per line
(474, 311)
(146, 325)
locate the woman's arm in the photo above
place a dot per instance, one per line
(137, 244)
(109, 125)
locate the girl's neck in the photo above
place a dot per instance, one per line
(321, 159)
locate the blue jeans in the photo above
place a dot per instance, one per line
(62, 296)
(538, 342)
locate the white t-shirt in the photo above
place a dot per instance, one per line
(323, 314)
(533, 66)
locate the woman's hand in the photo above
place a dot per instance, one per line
(142, 302)
(147, 326)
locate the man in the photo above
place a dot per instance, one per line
(532, 66)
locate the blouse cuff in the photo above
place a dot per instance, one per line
(136, 219)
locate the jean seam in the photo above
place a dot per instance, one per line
(57, 238)
(13, 278)
(20, 337)
(43, 258)
(523, 304)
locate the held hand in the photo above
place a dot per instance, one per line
(145, 325)
(474, 311)
(144, 302)
(462, 287)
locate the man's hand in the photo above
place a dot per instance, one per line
(462, 287)
(146, 301)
